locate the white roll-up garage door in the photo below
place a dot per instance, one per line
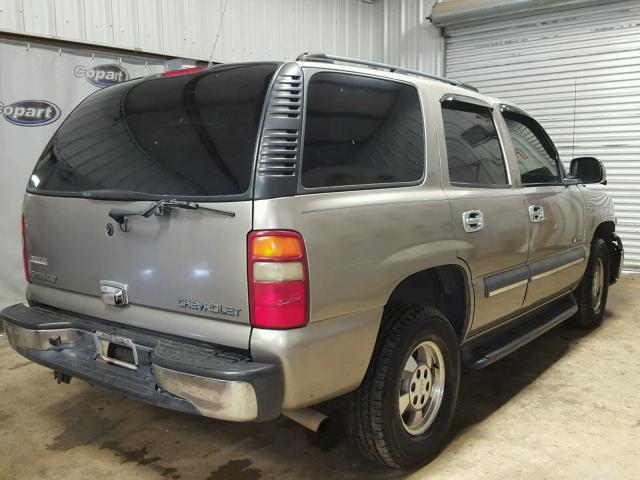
(578, 72)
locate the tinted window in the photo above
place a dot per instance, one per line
(535, 153)
(361, 131)
(189, 135)
(473, 151)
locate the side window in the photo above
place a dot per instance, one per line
(474, 155)
(361, 131)
(536, 155)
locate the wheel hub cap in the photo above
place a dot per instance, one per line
(421, 388)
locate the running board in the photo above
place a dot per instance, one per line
(489, 347)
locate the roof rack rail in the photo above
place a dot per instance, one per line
(324, 58)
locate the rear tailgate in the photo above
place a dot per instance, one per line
(190, 138)
(191, 262)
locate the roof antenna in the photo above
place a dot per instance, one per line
(215, 42)
(573, 135)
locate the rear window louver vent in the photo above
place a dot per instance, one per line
(279, 151)
(286, 99)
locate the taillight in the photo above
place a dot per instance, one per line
(278, 279)
(25, 258)
(182, 71)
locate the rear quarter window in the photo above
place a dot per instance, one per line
(361, 131)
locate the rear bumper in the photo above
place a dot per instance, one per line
(195, 378)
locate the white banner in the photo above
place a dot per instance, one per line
(39, 86)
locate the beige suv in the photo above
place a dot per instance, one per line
(248, 240)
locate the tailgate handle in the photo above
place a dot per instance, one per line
(114, 293)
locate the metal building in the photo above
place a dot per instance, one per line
(392, 31)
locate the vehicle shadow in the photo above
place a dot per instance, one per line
(482, 392)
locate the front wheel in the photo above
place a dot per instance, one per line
(400, 414)
(591, 294)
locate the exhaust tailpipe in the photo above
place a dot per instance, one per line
(309, 418)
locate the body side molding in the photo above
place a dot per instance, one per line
(498, 283)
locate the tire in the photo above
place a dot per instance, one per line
(374, 423)
(592, 301)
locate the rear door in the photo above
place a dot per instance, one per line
(488, 210)
(555, 210)
(186, 137)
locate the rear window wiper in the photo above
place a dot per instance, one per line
(115, 194)
(161, 208)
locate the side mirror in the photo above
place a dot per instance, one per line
(588, 170)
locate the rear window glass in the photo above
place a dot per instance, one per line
(189, 135)
(361, 131)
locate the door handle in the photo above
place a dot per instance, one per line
(536, 213)
(472, 220)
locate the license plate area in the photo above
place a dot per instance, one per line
(116, 350)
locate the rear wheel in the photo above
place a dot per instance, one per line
(400, 414)
(591, 294)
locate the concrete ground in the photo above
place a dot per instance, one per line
(565, 406)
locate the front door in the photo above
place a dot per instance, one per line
(490, 226)
(557, 251)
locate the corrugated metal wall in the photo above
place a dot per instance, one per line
(576, 68)
(409, 38)
(384, 30)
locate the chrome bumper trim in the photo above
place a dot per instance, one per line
(41, 339)
(222, 399)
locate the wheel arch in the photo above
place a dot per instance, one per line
(604, 230)
(446, 287)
